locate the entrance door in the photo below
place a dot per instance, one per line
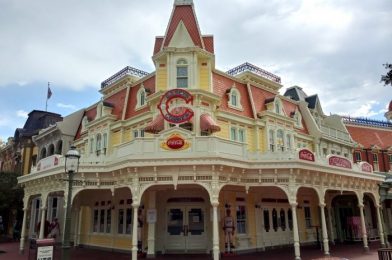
(185, 229)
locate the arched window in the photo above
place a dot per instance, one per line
(59, 147)
(278, 107)
(182, 73)
(298, 119)
(141, 97)
(43, 153)
(51, 150)
(279, 140)
(234, 98)
(272, 140)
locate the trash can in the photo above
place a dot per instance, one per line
(41, 249)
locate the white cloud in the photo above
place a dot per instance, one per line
(22, 114)
(67, 106)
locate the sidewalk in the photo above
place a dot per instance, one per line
(338, 252)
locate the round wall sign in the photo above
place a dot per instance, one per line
(179, 114)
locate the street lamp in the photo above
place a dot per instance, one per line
(71, 167)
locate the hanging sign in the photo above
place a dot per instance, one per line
(339, 162)
(179, 114)
(305, 154)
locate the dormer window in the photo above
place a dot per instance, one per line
(234, 98)
(182, 73)
(141, 97)
(278, 107)
(298, 119)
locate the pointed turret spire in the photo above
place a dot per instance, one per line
(183, 22)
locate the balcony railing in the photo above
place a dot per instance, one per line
(125, 71)
(151, 149)
(252, 68)
(335, 133)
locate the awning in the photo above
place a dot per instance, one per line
(207, 123)
(156, 125)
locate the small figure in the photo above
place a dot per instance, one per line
(54, 229)
(229, 229)
(139, 230)
(16, 231)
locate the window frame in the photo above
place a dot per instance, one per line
(182, 64)
(234, 98)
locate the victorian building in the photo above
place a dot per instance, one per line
(373, 145)
(165, 155)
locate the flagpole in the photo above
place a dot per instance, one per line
(46, 105)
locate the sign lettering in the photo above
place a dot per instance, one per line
(306, 155)
(339, 162)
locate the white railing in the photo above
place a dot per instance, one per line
(335, 133)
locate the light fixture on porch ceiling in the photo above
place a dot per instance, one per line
(71, 168)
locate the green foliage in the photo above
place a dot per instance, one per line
(11, 195)
(387, 79)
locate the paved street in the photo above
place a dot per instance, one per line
(9, 251)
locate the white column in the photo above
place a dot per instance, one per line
(23, 232)
(151, 226)
(379, 224)
(363, 227)
(295, 231)
(324, 229)
(215, 231)
(135, 207)
(330, 215)
(43, 220)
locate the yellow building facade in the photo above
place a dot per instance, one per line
(165, 155)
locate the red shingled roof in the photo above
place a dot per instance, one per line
(158, 44)
(371, 136)
(209, 43)
(185, 14)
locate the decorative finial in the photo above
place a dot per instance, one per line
(183, 2)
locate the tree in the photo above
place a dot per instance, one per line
(387, 79)
(11, 197)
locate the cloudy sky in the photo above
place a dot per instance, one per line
(333, 48)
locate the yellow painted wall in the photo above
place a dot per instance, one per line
(204, 75)
(115, 138)
(101, 240)
(263, 144)
(250, 205)
(127, 136)
(27, 153)
(224, 132)
(161, 78)
(85, 225)
(250, 139)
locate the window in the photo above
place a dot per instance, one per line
(102, 217)
(357, 156)
(241, 219)
(241, 135)
(124, 221)
(182, 74)
(298, 119)
(141, 97)
(234, 98)
(43, 153)
(290, 219)
(98, 144)
(91, 145)
(278, 107)
(279, 140)
(51, 149)
(272, 140)
(390, 161)
(266, 220)
(288, 141)
(237, 134)
(308, 219)
(282, 219)
(274, 220)
(233, 134)
(105, 142)
(325, 151)
(138, 133)
(375, 163)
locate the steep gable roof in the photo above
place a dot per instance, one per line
(184, 14)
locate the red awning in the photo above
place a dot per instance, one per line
(156, 125)
(207, 123)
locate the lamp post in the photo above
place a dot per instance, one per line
(71, 167)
